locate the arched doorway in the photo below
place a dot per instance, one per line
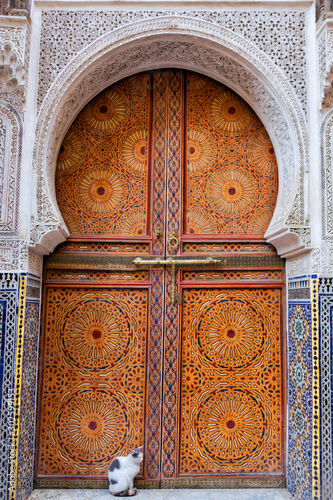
(162, 319)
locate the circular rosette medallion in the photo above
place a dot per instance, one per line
(135, 150)
(262, 153)
(96, 334)
(105, 111)
(199, 150)
(135, 223)
(91, 427)
(231, 425)
(101, 191)
(231, 333)
(70, 152)
(198, 224)
(232, 192)
(229, 112)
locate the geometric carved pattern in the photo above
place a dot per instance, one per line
(154, 390)
(231, 401)
(231, 176)
(326, 252)
(300, 401)
(102, 170)
(232, 275)
(11, 128)
(102, 277)
(170, 387)
(93, 379)
(93, 247)
(159, 147)
(2, 162)
(204, 247)
(175, 93)
(218, 65)
(62, 37)
(91, 353)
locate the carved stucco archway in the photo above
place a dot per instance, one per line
(180, 42)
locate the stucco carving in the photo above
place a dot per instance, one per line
(326, 138)
(16, 37)
(35, 263)
(173, 41)
(298, 266)
(10, 167)
(325, 62)
(281, 35)
(322, 258)
(9, 255)
(13, 255)
(23, 255)
(316, 260)
(11, 70)
(305, 235)
(14, 58)
(14, 54)
(327, 175)
(3, 162)
(326, 257)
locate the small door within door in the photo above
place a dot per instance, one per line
(162, 316)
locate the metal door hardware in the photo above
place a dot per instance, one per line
(173, 263)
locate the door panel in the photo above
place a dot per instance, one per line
(230, 166)
(158, 167)
(231, 401)
(102, 178)
(94, 370)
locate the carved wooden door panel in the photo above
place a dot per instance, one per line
(162, 317)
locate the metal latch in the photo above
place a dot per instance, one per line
(176, 297)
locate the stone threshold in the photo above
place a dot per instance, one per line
(167, 494)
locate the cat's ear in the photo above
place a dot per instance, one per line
(136, 452)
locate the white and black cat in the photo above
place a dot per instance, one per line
(122, 472)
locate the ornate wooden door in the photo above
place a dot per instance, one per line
(162, 321)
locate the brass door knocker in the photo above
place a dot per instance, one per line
(173, 240)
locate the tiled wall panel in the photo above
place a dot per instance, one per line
(299, 472)
(18, 370)
(28, 400)
(8, 301)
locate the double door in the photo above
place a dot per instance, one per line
(162, 316)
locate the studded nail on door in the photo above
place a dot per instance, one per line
(183, 355)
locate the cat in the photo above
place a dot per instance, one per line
(122, 472)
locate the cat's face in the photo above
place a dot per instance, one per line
(137, 454)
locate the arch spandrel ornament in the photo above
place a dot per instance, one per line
(175, 41)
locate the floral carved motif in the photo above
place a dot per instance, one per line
(13, 59)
